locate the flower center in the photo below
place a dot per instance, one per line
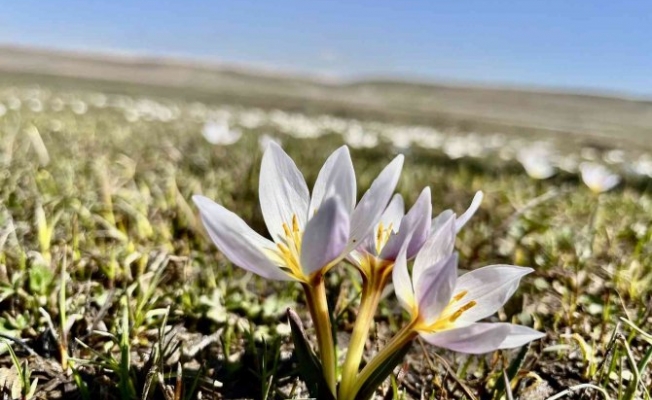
(382, 236)
(289, 249)
(451, 313)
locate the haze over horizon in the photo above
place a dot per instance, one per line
(595, 46)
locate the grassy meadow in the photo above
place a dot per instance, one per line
(110, 288)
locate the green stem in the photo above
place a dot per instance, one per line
(593, 221)
(318, 306)
(371, 291)
(403, 337)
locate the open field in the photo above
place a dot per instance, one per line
(590, 118)
(109, 287)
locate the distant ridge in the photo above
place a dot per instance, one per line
(595, 117)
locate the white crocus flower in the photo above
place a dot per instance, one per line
(220, 133)
(395, 227)
(380, 248)
(598, 177)
(445, 309)
(536, 163)
(309, 233)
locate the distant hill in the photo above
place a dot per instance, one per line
(589, 118)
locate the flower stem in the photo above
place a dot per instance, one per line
(371, 291)
(402, 337)
(318, 306)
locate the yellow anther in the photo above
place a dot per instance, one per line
(460, 295)
(382, 236)
(286, 229)
(379, 233)
(284, 249)
(289, 248)
(461, 310)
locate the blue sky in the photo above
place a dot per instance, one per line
(599, 45)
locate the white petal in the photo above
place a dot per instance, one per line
(415, 224)
(394, 213)
(326, 236)
(438, 247)
(439, 220)
(391, 217)
(239, 243)
(435, 289)
(356, 257)
(519, 335)
(472, 339)
(402, 283)
(610, 182)
(490, 287)
(283, 191)
(336, 177)
(464, 218)
(373, 203)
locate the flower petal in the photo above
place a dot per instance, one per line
(520, 335)
(394, 213)
(283, 192)
(471, 339)
(490, 287)
(464, 218)
(439, 220)
(239, 243)
(336, 177)
(373, 203)
(402, 282)
(415, 224)
(438, 247)
(435, 288)
(326, 236)
(391, 217)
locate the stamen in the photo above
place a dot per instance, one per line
(461, 310)
(295, 223)
(379, 233)
(285, 251)
(460, 295)
(286, 229)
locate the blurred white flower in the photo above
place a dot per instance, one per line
(598, 177)
(536, 163)
(219, 132)
(357, 138)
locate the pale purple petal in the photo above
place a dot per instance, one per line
(237, 241)
(325, 237)
(610, 182)
(402, 282)
(464, 218)
(519, 335)
(415, 224)
(394, 213)
(476, 338)
(439, 246)
(490, 287)
(440, 220)
(283, 192)
(390, 218)
(435, 288)
(368, 211)
(336, 177)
